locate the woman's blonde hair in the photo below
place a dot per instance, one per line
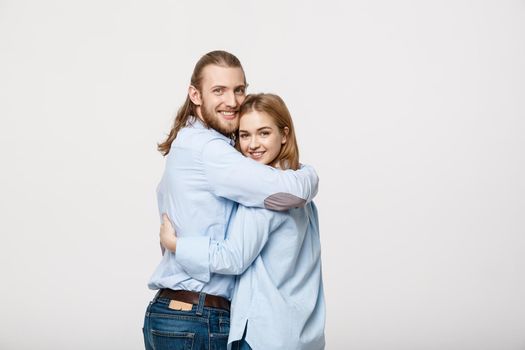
(274, 106)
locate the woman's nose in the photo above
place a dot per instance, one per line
(254, 144)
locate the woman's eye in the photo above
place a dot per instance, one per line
(243, 136)
(265, 133)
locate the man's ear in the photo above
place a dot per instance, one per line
(285, 135)
(194, 95)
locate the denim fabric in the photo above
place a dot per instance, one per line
(201, 328)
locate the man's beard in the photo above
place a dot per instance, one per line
(213, 121)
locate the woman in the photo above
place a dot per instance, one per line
(278, 302)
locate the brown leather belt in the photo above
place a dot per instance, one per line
(190, 297)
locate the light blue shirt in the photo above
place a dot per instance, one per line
(203, 178)
(279, 296)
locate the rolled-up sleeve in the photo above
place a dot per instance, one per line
(247, 235)
(192, 254)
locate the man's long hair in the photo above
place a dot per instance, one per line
(219, 58)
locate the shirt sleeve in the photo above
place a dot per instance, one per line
(192, 255)
(243, 180)
(247, 235)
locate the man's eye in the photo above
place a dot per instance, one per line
(240, 91)
(218, 91)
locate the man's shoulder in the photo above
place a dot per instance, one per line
(197, 138)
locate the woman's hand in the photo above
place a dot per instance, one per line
(168, 237)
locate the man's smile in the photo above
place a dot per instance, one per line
(229, 115)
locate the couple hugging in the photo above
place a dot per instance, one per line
(241, 263)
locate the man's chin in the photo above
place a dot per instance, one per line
(228, 127)
(225, 127)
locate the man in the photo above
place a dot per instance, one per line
(203, 178)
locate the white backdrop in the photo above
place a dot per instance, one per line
(412, 112)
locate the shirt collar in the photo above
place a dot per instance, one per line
(196, 123)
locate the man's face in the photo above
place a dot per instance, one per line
(223, 91)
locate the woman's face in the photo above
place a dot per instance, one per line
(259, 137)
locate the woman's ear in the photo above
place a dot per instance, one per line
(285, 135)
(194, 95)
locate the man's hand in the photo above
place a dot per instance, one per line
(168, 237)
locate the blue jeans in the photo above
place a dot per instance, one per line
(201, 328)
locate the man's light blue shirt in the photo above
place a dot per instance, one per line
(203, 178)
(279, 296)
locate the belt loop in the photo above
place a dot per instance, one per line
(157, 295)
(200, 307)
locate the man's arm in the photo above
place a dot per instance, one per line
(243, 180)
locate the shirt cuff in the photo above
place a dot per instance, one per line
(192, 254)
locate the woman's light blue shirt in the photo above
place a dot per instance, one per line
(279, 296)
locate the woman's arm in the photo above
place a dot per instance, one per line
(247, 235)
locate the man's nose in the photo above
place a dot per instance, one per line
(230, 100)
